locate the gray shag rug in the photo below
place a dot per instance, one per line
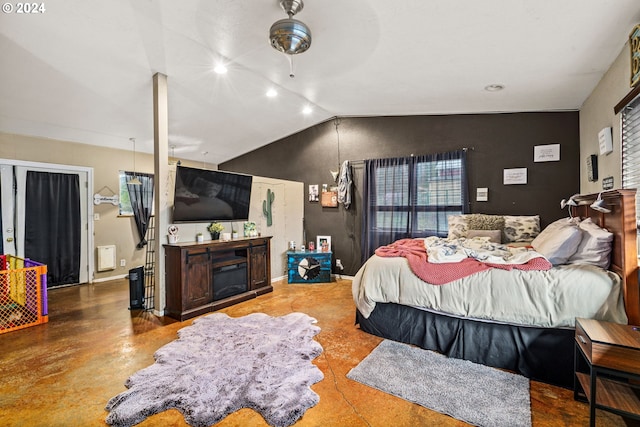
(473, 393)
(221, 364)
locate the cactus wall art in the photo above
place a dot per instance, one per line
(266, 206)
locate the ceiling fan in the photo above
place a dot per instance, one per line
(290, 36)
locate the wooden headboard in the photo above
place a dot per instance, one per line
(624, 254)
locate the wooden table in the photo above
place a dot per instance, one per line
(612, 355)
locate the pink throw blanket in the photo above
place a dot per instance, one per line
(439, 274)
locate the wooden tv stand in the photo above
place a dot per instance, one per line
(194, 274)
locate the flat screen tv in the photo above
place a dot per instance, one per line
(207, 195)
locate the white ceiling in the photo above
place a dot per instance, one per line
(82, 70)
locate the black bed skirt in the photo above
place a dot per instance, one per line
(541, 354)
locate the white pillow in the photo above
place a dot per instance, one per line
(595, 247)
(559, 241)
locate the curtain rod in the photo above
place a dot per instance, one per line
(412, 155)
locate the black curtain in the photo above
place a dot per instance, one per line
(141, 197)
(53, 225)
(406, 197)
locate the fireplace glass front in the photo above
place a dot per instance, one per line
(229, 280)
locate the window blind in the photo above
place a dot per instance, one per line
(416, 195)
(631, 149)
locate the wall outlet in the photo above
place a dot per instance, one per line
(123, 262)
(339, 264)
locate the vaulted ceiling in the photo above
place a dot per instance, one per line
(81, 70)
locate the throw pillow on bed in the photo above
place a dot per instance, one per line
(595, 247)
(485, 222)
(520, 228)
(559, 240)
(458, 226)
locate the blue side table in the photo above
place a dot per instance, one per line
(309, 267)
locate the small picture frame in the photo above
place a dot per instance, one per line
(313, 193)
(329, 199)
(323, 243)
(514, 176)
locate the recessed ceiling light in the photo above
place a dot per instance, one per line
(272, 93)
(220, 69)
(494, 88)
(307, 110)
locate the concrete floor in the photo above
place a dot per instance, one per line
(63, 373)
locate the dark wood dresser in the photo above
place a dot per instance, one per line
(207, 276)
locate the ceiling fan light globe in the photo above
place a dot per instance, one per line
(290, 36)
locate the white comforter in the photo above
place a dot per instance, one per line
(444, 251)
(551, 298)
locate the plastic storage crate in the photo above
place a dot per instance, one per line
(23, 293)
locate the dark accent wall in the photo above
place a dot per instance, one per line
(495, 142)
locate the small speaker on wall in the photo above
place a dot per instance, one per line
(592, 167)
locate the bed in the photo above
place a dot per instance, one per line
(537, 344)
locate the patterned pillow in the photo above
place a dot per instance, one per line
(458, 226)
(485, 222)
(494, 236)
(520, 228)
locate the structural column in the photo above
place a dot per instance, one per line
(161, 183)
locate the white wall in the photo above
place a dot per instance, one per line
(597, 113)
(287, 214)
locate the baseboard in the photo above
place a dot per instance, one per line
(343, 276)
(106, 279)
(276, 279)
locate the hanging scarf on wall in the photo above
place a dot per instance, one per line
(345, 182)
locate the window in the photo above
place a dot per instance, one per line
(418, 196)
(124, 204)
(631, 149)
(411, 197)
(124, 199)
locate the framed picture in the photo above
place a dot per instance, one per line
(329, 198)
(323, 243)
(546, 153)
(515, 176)
(313, 193)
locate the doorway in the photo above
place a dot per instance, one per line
(37, 200)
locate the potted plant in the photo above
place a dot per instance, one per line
(215, 228)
